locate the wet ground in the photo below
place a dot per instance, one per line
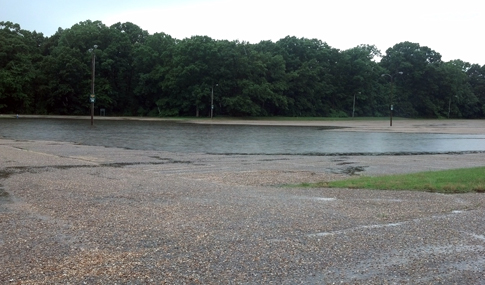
(92, 214)
(221, 137)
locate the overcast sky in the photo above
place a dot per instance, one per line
(455, 29)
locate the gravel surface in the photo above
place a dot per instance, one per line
(82, 214)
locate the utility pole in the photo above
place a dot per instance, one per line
(92, 97)
(391, 106)
(353, 106)
(212, 100)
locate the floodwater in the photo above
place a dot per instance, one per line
(235, 139)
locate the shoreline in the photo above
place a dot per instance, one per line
(436, 126)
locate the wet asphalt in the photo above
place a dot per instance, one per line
(72, 214)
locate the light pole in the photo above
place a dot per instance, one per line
(92, 97)
(449, 106)
(391, 107)
(212, 101)
(353, 106)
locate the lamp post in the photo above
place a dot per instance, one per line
(353, 106)
(92, 97)
(212, 101)
(449, 106)
(391, 107)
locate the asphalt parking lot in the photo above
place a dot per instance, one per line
(72, 214)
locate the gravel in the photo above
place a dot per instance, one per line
(84, 214)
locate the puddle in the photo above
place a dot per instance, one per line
(353, 170)
(382, 226)
(3, 194)
(439, 261)
(477, 236)
(322, 234)
(4, 198)
(39, 169)
(349, 170)
(324, 199)
(383, 200)
(274, 159)
(4, 174)
(325, 128)
(344, 163)
(377, 226)
(275, 240)
(343, 158)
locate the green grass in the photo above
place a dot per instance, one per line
(462, 180)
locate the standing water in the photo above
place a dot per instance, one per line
(235, 139)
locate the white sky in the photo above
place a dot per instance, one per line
(453, 28)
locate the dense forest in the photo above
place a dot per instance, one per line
(139, 74)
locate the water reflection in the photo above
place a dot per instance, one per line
(238, 139)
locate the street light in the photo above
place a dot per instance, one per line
(391, 107)
(212, 101)
(92, 97)
(449, 106)
(353, 106)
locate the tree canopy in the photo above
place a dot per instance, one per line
(142, 74)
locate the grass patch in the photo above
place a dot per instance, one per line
(462, 180)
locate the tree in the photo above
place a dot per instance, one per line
(190, 77)
(19, 54)
(358, 75)
(310, 68)
(476, 78)
(67, 68)
(152, 62)
(68, 84)
(142, 74)
(416, 89)
(252, 80)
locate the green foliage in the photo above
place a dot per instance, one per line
(337, 114)
(139, 74)
(18, 56)
(447, 181)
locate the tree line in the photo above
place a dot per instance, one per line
(142, 74)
